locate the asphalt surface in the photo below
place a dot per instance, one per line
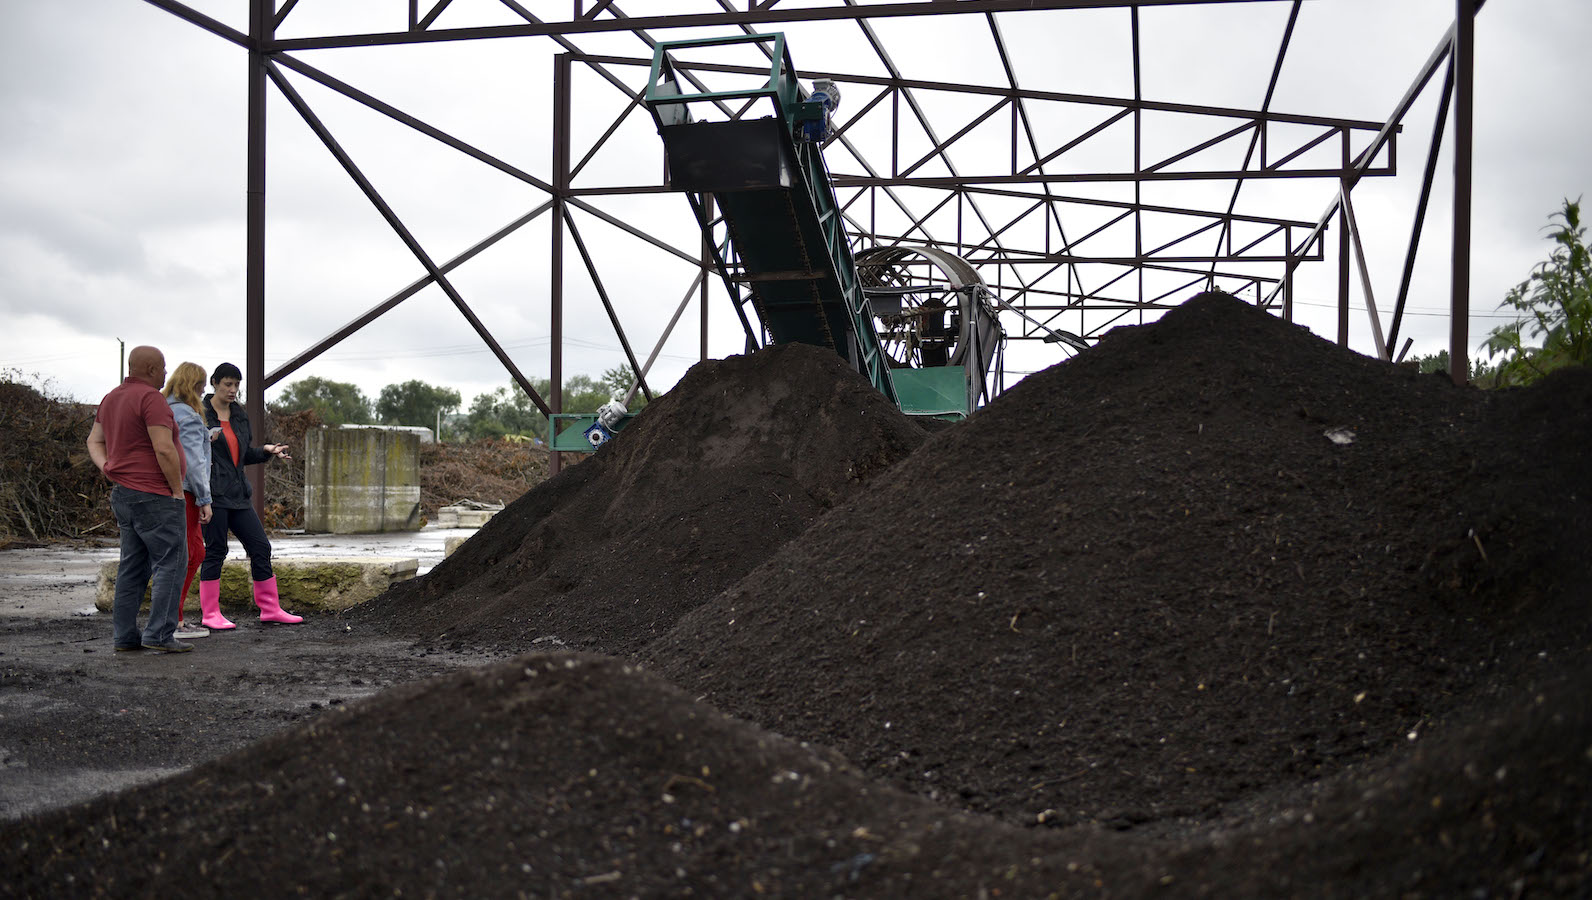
(78, 720)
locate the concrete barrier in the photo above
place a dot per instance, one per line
(323, 584)
(361, 481)
(467, 515)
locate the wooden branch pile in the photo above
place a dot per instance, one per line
(49, 488)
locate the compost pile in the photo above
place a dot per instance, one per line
(485, 470)
(737, 459)
(49, 487)
(1140, 628)
(1148, 583)
(51, 491)
(284, 478)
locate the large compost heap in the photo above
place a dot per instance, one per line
(1147, 583)
(740, 457)
(1139, 628)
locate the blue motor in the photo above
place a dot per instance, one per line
(812, 120)
(608, 416)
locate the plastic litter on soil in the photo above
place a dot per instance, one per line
(1138, 628)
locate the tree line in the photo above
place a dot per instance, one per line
(503, 412)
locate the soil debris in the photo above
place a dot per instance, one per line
(1144, 585)
(1139, 628)
(738, 458)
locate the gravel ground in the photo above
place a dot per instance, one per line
(78, 720)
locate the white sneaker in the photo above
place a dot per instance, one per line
(189, 630)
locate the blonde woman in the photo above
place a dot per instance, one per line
(182, 395)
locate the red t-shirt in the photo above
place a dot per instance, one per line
(125, 417)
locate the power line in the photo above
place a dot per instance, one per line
(1408, 311)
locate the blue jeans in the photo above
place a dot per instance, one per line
(154, 540)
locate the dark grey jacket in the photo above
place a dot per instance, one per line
(228, 488)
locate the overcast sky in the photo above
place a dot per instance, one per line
(122, 173)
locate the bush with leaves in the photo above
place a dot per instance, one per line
(415, 403)
(617, 382)
(1554, 303)
(506, 411)
(1481, 374)
(509, 411)
(334, 402)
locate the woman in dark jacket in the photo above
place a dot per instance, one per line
(231, 509)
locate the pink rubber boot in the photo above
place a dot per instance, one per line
(270, 607)
(210, 607)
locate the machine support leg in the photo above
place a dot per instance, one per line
(1464, 105)
(261, 26)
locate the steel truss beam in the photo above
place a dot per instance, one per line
(1037, 264)
(1255, 124)
(968, 187)
(858, 10)
(1454, 53)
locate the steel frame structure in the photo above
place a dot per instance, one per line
(1012, 215)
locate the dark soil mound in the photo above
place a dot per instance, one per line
(738, 458)
(566, 775)
(1496, 807)
(1145, 584)
(1143, 600)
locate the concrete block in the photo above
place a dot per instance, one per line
(361, 481)
(323, 584)
(469, 514)
(451, 544)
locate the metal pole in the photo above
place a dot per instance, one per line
(280, 372)
(608, 306)
(1288, 283)
(1365, 272)
(555, 399)
(1138, 159)
(1343, 274)
(369, 190)
(707, 266)
(261, 28)
(1444, 99)
(1464, 106)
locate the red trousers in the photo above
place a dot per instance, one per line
(196, 549)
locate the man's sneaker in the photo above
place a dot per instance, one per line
(128, 648)
(190, 630)
(171, 645)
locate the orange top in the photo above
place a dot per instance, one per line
(231, 439)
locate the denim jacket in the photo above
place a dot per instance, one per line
(195, 441)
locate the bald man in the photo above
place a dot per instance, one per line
(133, 443)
